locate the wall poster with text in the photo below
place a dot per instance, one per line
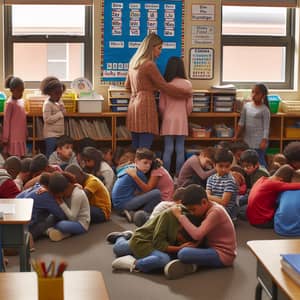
(125, 25)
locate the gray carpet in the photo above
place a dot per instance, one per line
(91, 252)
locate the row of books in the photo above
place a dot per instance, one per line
(80, 128)
(123, 132)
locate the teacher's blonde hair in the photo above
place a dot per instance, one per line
(145, 50)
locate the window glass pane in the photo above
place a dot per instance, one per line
(34, 61)
(48, 19)
(247, 20)
(244, 63)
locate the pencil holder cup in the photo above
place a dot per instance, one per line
(51, 288)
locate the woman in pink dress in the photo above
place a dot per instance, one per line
(15, 123)
(143, 80)
(174, 113)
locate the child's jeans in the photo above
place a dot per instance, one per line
(204, 257)
(50, 145)
(155, 260)
(169, 148)
(142, 140)
(71, 227)
(261, 157)
(97, 215)
(146, 201)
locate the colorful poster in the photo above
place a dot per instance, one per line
(201, 63)
(126, 23)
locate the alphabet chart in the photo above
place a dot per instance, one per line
(201, 63)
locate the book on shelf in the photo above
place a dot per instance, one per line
(290, 264)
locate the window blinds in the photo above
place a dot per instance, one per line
(48, 2)
(280, 3)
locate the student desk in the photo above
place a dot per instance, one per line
(88, 285)
(78, 285)
(13, 229)
(270, 276)
(18, 286)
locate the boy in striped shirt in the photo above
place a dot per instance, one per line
(221, 187)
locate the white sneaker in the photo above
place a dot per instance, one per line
(176, 269)
(55, 235)
(126, 262)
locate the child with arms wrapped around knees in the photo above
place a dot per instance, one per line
(216, 232)
(151, 246)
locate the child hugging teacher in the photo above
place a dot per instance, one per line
(143, 80)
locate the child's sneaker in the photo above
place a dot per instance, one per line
(126, 262)
(113, 236)
(56, 235)
(176, 269)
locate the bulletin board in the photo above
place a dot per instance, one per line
(125, 25)
(201, 63)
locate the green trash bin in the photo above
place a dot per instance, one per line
(274, 101)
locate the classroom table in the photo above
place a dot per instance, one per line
(78, 285)
(13, 228)
(88, 285)
(18, 286)
(277, 284)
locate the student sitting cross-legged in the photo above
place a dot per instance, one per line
(74, 203)
(151, 246)
(221, 187)
(216, 235)
(127, 196)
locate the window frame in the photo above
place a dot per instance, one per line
(86, 40)
(287, 41)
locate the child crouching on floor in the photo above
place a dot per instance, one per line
(216, 233)
(151, 246)
(126, 193)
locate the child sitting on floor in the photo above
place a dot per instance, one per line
(221, 187)
(197, 168)
(125, 195)
(263, 196)
(94, 163)
(150, 246)
(74, 203)
(216, 232)
(64, 155)
(97, 193)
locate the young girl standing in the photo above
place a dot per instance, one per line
(14, 123)
(255, 121)
(175, 113)
(53, 112)
(143, 80)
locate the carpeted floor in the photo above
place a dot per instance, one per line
(92, 252)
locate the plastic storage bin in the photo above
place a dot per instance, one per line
(89, 106)
(274, 101)
(201, 132)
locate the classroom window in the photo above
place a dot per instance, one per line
(48, 40)
(258, 45)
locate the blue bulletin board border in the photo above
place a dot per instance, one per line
(125, 23)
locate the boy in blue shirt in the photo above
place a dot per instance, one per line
(221, 187)
(125, 189)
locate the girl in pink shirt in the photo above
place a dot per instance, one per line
(174, 113)
(14, 123)
(216, 231)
